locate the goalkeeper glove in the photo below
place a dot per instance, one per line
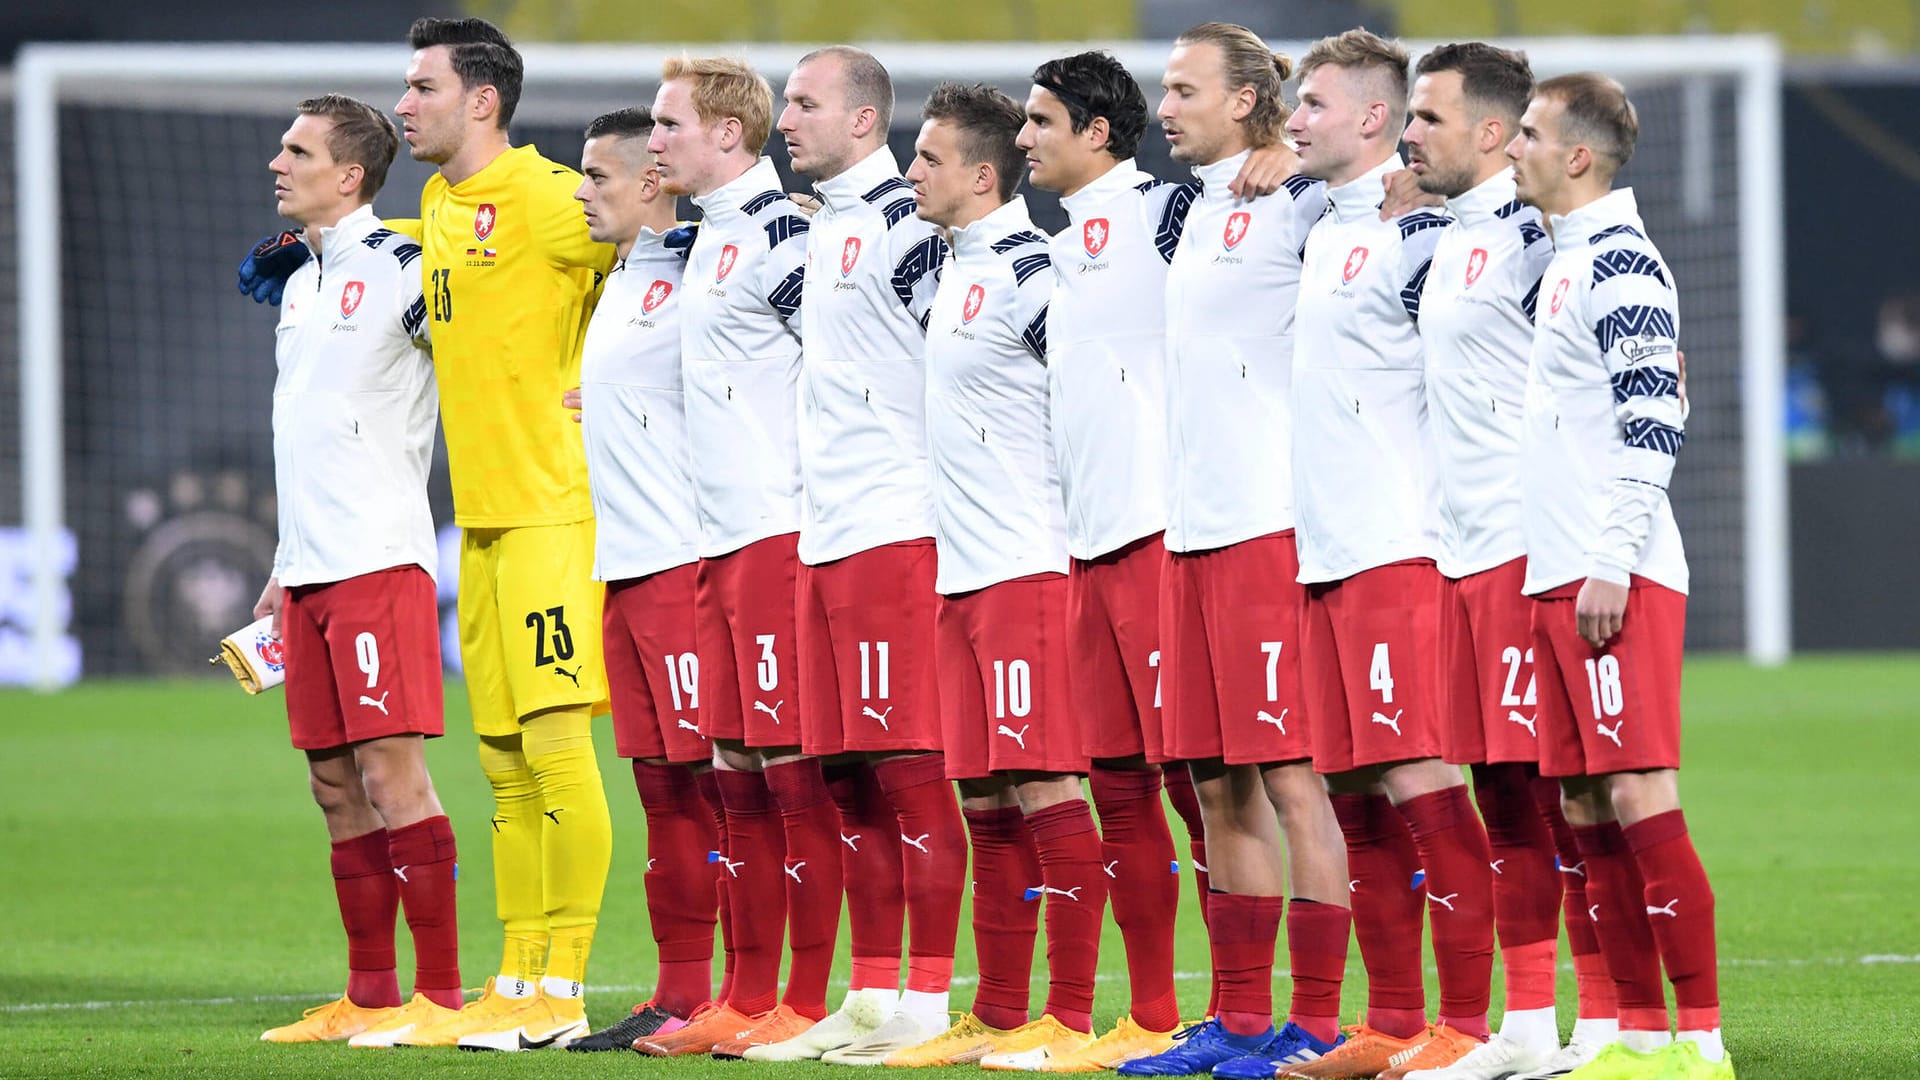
(265, 270)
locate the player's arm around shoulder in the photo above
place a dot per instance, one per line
(402, 267)
(1032, 271)
(1419, 234)
(917, 253)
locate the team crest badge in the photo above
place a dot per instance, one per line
(272, 651)
(1356, 261)
(656, 295)
(1094, 235)
(350, 298)
(976, 298)
(727, 256)
(1237, 225)
(1559, 297)
(483, 221)
(849, 255)
(1476, 262)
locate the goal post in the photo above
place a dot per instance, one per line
(1708, 171)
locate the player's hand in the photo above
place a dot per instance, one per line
(1600, 611)
(1263, 172)
(272, 598)
(1402, 195)
(807, 203)
(1680, 360)
(571, 400)
(265, 270)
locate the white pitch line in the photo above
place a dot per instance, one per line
(958, 980)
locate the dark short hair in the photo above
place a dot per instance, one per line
(361, 135)
(989, 123)
(867, 81)
(1596, 113)
(633, 122)
(481, 53)
(1094, 84)
(1494, 80)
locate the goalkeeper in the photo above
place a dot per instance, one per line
(510, 280)
(351, 598)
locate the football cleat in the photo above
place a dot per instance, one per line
(901, 1031)
(1364, 1052)
(1495, 1059)
(1127, 1041)
(476, 1015)
(713, 1024)
(777, 1026)
(1291, 1046)
(335, 1021)
(965, 1043)
(645, 1019)
(540, 1022)
(1445, 1045)
(1564, 1061)
(1684, 1062)
(1616, 1062)
(859, 1014)
(415, 1014)
(1197, 1050)
(1030, 1046)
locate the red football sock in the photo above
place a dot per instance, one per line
(1244, 931)
(682, 904)
(1680, 910)
(934, 865)
(1526, 889)
(369, 895)
(753, 868)
(1597, 998)
(813, 877)
(1459, 887)
(1382, 862)
(424, 860)
(1317, 951)
(708, 783)
(1136, 850)
(1616, 902)
(1005, 865)
(1076, 896)
(873, 875)
(1186, 803)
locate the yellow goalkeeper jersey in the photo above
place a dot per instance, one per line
(511, 279)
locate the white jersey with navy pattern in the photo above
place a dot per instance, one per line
(633, 417)
(1476, 320)
(1106, 355)
(740, 351)
(1230, 355)
(354, 408)
(997, 508)
(872, 267)
(1603, 416)
(1363, 450)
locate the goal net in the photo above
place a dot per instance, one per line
(136, 477)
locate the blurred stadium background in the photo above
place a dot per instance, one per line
(167, 373)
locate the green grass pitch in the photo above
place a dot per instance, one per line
(164, 890)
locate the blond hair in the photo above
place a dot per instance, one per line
(1246, 61)
(724, 87)
(1382, 62)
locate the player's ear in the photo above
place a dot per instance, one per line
(1493, 135)
(1244, 99)
(731, 131)
(864, 120)
(1098, 133)
(985, 179)
(351, 178)
(486, 103)
(1579, 161)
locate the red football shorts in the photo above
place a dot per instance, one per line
(363, 659)
(743, 634)
(652, 668)
(1230, 647)
(867, 671)
(1002, 652)
(1113, 649)
(1370, 660)
(1615, 709)
(1486, 656)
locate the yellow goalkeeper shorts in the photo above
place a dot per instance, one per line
(529, 623)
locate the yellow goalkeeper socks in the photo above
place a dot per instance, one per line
(519, 893)
(577, 837)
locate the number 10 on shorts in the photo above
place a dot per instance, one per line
(1012, 688)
